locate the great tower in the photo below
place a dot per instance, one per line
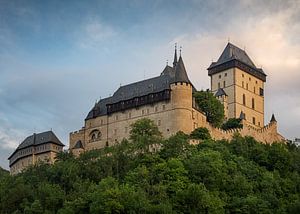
(239, 84)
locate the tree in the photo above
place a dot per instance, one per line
(211, 106)
(232, 123)
(144, 134)
(201, 133)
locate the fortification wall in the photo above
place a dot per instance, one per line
(267, 134)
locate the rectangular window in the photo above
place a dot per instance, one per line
(254, 90)
(224, 84)
(261, 91)
(253, 120)
(220, 76)
(243, 84)
(225, 74)
(143, 112)
(219, 85)
(247, 86)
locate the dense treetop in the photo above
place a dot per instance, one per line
(240, 176)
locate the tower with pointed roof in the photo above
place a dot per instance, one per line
(236, 74)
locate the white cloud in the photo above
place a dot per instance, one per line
(94, 33)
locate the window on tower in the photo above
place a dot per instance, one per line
(244, 99)
(261, 91)
(253, 103)
(253, 120)
(224, 84)
(219, 85)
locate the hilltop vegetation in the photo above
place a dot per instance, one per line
(241, 176)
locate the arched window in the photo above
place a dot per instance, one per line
(253, 103)
(95, 135)
(244, 99)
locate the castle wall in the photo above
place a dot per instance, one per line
(170, 117)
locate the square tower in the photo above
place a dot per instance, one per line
(243, 83)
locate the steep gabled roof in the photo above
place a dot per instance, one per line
(233, 52)
(233, 56)
(273, 118)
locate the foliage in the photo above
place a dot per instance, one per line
(211, 106)
(240, 176)
(201, 133)
(232, 123)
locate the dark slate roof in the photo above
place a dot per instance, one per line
(233, 52)
(38, 139)
(180, 72)
(273, 118)
(78, 145)
(220, 92)
(144, 87)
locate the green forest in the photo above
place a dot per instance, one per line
(150, 174)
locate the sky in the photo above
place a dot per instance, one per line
(58, 57)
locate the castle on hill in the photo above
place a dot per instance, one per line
(168, 100)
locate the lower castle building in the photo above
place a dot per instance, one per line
(41, 147)
(168, 100)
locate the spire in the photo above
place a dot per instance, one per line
(273, 119)
(180, 72)
(175, 56)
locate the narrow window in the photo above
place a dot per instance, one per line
(143, 112)
(242, 75)
(253, 120)
(254, 90)
(243, 84)
(253, 103)
(220, 76)
(261, 92)
(244, 99)
(225, 74)
(224, 84)
(249, 78)
(219, 85)
(247, 86)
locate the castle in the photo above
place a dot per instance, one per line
(168, 100)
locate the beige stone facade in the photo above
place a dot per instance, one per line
(243, 92)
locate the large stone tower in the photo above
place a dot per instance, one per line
(242, 82)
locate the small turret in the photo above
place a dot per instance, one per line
(180, 72)
(273, 120)
(242, 116)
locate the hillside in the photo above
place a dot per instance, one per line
(241, 176)
(3, 172)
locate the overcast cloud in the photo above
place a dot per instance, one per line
(58, 57)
